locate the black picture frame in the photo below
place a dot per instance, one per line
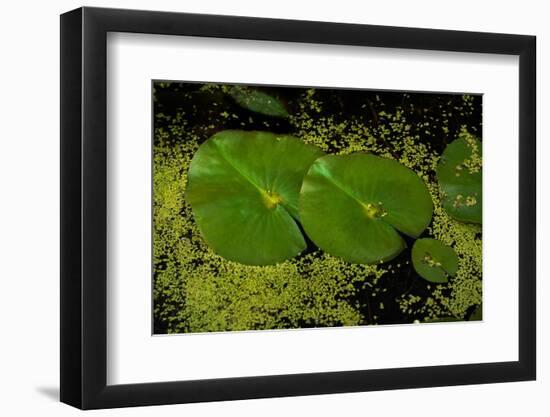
(84, 207)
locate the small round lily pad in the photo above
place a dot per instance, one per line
(258, 101)
(243, 188)
(460, 178)
(433, 260)
(354, 206)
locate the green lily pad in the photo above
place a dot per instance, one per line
(244, 189)
(354, 206)
(460, 178)
(433, 260)
(258, 101)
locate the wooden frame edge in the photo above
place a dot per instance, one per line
(83, 208)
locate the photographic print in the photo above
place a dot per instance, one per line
(303, 207)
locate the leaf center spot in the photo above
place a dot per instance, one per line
(271, 199)
(374, 211)
(431, 261)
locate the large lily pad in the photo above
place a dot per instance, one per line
(244, 188)
(354, 206)
(460, 178)
(433, 260)
(258, 101)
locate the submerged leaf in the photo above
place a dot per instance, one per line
(460, 179)
(353, 206)
(258, 101)
(243, 189)
(433, 260)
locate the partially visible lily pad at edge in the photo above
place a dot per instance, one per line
(477, 314)
(459, 173)
(243, 189)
